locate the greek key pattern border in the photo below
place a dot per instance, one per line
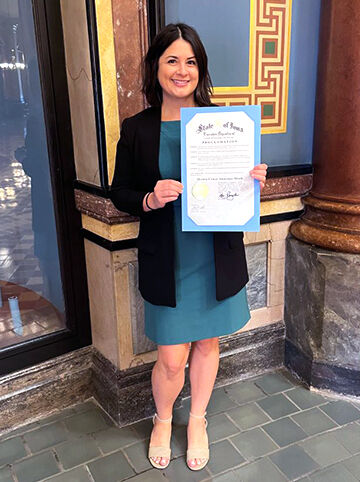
(269, 58)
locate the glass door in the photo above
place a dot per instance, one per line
(38, 219)
(31, 298)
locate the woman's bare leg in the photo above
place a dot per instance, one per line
(203, 367)
(168, 377)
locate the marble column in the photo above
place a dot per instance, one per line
(332, 209)
(322, 287)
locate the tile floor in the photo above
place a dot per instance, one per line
(268, 428)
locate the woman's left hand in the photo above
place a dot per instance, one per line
(259, 173)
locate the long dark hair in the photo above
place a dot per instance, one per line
(151, 87)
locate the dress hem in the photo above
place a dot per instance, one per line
(201, 338)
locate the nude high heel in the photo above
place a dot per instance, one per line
(159, 450)
(198, 452)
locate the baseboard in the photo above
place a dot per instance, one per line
(37, 391)
(40, 390)
(342, 380)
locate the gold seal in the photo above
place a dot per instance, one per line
(200, 191)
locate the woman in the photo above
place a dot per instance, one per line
(193, 284)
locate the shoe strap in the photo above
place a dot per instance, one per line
(161, 419)
(199, 417)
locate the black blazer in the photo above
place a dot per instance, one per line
(136, 173)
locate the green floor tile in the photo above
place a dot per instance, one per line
(46, 436)
(227, 477)
(137, 455)
(57, 416)
(284, 431)
(336, 473)
(11, 450)
(77, 452)
(293, 462)
(178, 441)
(325, 449)
(273, 383)
(114, 438)
(349, 437)
(314, 421)
(248, 416)
(152, 475)
(85, 406)
(244, 392)
(219, 402)
(180, 417)
(143, 428)
(88, 422)
(111, 468)
(304, 398)
(178, 471)
(36, 468)
(244, 440)
(261, 470)
(223, 456)
(80, 474)
(19, 431)
(5, 475)
(342, 412)
(353, 465)
(253, 443)
(220, 427)
(277, 406)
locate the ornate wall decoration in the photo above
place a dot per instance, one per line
(270, 29)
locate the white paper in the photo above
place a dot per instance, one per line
(219, 156)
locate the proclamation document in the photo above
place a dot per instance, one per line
(219, 146)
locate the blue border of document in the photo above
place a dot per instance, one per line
(187, 113)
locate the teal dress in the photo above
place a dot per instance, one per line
(197, 315)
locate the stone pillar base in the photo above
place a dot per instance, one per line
(322, 317)
(330, 224)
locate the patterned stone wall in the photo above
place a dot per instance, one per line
(256, 256)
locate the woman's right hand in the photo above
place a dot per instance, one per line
(165, 191)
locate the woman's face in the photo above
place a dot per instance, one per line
(178, 73)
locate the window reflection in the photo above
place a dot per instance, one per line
(31, 297)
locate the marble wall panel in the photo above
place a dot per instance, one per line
(81, 95)
(130, 45)
(322, 303)
(141, 343)
(256, 256)
(100, 275)
(129, 312)
(130, 34)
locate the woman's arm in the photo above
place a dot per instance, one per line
(123, 191)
